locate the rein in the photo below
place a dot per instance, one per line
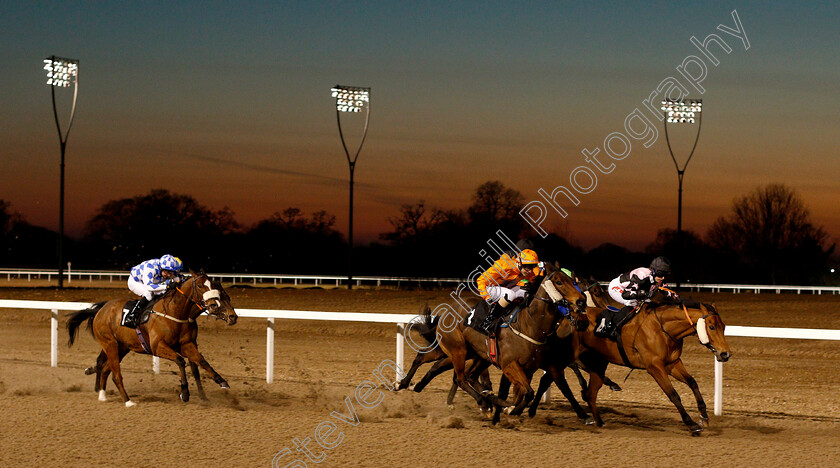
(201, 303)
(551, 301)
(691, 322)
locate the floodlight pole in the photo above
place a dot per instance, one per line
(62, 139)
(681, 170)
(352, 165)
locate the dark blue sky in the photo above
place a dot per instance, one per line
(231, 104)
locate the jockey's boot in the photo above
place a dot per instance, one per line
(134, 315)
(497, 310)
(620, 318)
(605, 327)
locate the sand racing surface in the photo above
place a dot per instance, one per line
(781, 397)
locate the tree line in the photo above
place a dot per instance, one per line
(768, 237)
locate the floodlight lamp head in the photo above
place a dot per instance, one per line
(61, 72)
(351, 98)
(681, 111)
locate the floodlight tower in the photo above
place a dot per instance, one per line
(351, 99)
(682, 112)
(63, 73)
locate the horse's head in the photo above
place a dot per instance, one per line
(210, 297)
(594, 292)
(710, 328)
(563, 293)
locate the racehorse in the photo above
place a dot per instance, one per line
(170, 332)
(520, 345)
(653, 340)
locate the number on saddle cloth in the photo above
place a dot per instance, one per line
(143, 314)
(480, 312)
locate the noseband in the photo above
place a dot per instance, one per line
(557, 300)
(209, 295)
(699, 328)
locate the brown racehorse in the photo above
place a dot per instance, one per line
(170, 332)
(653, 340)
(520, 345)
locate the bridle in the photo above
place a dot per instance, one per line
(214, 310)
(699, 328)
(554, 299)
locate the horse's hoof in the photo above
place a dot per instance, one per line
(615, 388)
(129, 404)
(450, 407)
(704, 422)
(224, 385)
(509, 409)
(696, 430)
(588, 422)
(185, 397)
(102, 396)
(90, 370)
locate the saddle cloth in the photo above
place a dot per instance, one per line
(478, 313)
(144, 314)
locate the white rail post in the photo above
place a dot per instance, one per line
(400, 349)
(718, 388)
(269, 352)
(54, 338)
(156, 364)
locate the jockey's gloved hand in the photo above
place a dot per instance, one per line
(641, 295)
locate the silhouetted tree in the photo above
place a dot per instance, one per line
(130, 230)
(691, 258)
(26, 246)
(495, 207)
(771, 234)
(289, 242)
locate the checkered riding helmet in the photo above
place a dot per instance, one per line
(168, 262)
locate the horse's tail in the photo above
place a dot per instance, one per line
(427, 327)
(76, 318)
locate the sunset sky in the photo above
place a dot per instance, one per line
(231, 104)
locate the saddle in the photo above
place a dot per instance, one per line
(143, 316)
(478, 313)
(614, 320)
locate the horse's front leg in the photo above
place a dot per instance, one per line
(680, 373)
(197, 377)
(162, 350)
(522, 386)
(190, 350)
(658, 372)
(421, 358)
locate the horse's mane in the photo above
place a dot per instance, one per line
(689, 303)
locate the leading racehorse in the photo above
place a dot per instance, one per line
(170, 332)
(653, 340)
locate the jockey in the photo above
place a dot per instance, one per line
(151, 278)
(504, 282)
(633, 288)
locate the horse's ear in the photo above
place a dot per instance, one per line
(192, 273)
(556, 264)
(201, 272)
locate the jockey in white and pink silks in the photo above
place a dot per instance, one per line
(631, 289)
(638, 285)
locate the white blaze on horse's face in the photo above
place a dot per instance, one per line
(589, 301)
(701, 331)
(211, 293)
(552, 291)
